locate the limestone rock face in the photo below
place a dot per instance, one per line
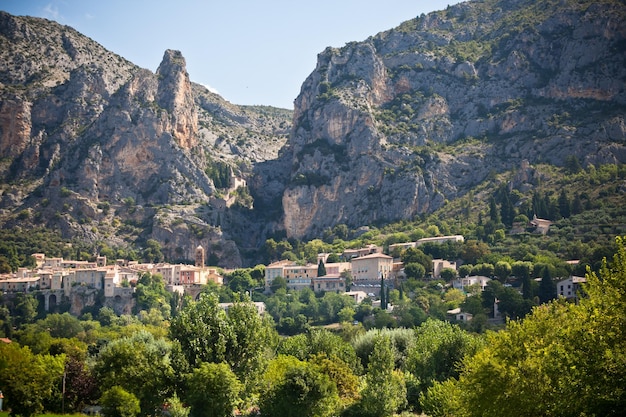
(395, 125)
(100, 149)
(174, 93)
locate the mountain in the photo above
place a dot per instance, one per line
(387, 129)
(103, 150)
(398, 124)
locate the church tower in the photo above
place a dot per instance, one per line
(200, 257)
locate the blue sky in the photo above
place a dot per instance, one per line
(250, 52)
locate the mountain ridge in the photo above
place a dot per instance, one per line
(383, 130)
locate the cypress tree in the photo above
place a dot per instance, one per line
(321, 269)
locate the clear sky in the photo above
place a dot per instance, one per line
(248, 51)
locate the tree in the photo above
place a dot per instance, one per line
(28, 380)
(152, 251)
(565, 206)
(321, 269)
(346, 314)
(414, 270)
(547, 287)
(484, 269)
(241, 337)
(278, 283)
(465, 270)
(252, 339)
(448, 274)
(502, 270)
(474, 250)
(151, 294)
(202, 330)
(117, 402)
(302, 390)
(438, 350)
(523, 270)
(141, 365)
(213, 390)
(240, 281)
(414, 255)
(564, 358)
(176, 408)
(385, 390)
(25, 309)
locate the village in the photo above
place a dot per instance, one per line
(362, 273)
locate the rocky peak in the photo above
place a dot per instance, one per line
(175, 95)
(380, 125)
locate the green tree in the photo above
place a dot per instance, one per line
(141, 365)
(117, 402)
(213, 390)
(465, 270)
(303, 390)
(565, 206)
(448, 274)
(474, 250)
(25, 309)
(241, 338)
(278, 283)
(563, 359)
(321, 269)
(415, 255)
(385, 389)
(240, 281)
(547, 287)
(28, 380)
(152, 251)
(414, 270)
(523, 270)
(252, 340)
(176, 408)
(151, 294)
(502, 270)
(202, 330)
(438, 350)
(346, 315)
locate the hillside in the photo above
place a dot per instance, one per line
(422, 123)
(398, 124)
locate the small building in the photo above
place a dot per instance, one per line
(357, 296)
(260, 306)
(371, 268)
(273, 271)
(540, 226)
(349, 254)
(440, 264)
(440, 239)
(329, 283)
(299, 276)
(19, 284)
(463, 283)
(570, 288)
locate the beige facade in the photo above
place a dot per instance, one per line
(371, 267)
(440, 264)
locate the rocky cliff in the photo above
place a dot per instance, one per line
(384, 129)
(394, 126)
(102, 150)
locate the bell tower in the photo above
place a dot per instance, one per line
(200, 256)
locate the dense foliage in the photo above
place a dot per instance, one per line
(562, 359)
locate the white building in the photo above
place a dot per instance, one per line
(570, 287)
(462, 283)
